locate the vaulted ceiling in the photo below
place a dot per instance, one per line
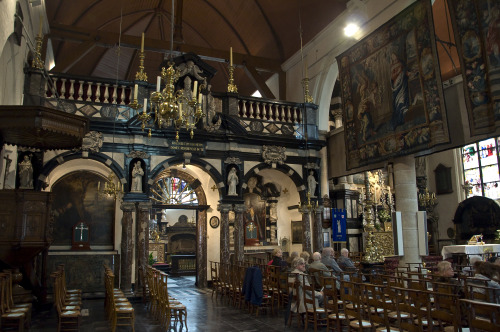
(85, 35)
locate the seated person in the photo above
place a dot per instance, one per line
(277, 261)
(446, 275)
(488, 271)
(318, 265)
(327, 258)
(469, 269)
(298, 268)
(291, 258)
(306, 256)
(344, 261)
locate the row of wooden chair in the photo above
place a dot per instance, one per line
(66, 302)
(164, 307)
(119, 310)
(13, 316)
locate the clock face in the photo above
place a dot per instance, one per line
(214, 222)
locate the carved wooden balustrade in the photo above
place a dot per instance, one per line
(93, 97)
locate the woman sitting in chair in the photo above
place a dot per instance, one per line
(299, 267)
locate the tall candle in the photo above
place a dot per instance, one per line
(98, 185)
(158, 83)
(195, 88)
(305, 69)
(231, 56)
(200, 96)
(145, 104)
(180, 110)
(136, 88)
(142, 43)
(40, 28)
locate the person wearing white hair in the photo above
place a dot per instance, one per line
(344, 261)
(298, 271)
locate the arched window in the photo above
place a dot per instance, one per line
(174, 191)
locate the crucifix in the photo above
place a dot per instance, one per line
(81, 227)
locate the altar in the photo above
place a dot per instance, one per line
(479, 249)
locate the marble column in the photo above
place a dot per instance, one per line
(142, 242)
(224, 231)
(126, 248)
(405, 185)
(201, 252)
(239, 233)
(318, 229)
(306, 229)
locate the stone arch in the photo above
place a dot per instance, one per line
(103, 164)
(292, 174)
(201, 224)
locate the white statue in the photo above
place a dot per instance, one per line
(232, 182)
(137, 174)
(311, 182)
(26, 173)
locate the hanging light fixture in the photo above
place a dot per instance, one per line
(181, 108)
(110, 188)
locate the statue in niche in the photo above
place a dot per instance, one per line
(26, 173)
(137, 174)
(187, 88)
(311, 182)
(232, 182)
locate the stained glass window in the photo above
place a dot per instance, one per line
(172, 190)
(480, 163)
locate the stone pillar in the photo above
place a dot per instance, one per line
(407, 202)
(142, 242)
(317, 229)
(224, 231)
(126, 248)
(239, 233)
(306, 229)
(201, 252)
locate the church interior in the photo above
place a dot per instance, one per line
(146, 139)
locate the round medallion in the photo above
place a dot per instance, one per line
(214, 222)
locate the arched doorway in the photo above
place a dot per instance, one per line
(177, 190)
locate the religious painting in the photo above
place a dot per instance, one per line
(392, 95)
(254, 219)
(297, 232)
(476, 25)
(76, 199)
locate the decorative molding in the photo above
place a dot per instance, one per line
(312, 166)
(138, 154)
(92, 141)
(273, 154)
(232, 160)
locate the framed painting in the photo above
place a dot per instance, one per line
(391, 90)
(476, 25)
(296, 232)
(76, 199)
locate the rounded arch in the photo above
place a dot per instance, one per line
(477, 215)
(324, 89)
(66, 162)
(292, 174)
(179, 160)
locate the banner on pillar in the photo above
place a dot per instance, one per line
(339, 225)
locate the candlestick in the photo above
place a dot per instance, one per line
(231, 56)
(142, 43)
(195, 87)
(136, 88)
(40, 29)
(158, 83)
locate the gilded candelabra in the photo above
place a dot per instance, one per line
(141, 75)
(231, 87)
(307, 96)
(308, 206)
(111, 188)
(372, 252)
(37, 59)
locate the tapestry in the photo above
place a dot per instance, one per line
(392, 95)
(76, 199)
(476, 25)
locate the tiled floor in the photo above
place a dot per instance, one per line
(204, 314)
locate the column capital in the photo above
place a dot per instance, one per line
(240, 208)
(127, 207)
(145, 206)
(224, 208)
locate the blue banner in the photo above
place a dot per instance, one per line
(339, 225)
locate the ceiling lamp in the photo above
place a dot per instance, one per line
(351, 29)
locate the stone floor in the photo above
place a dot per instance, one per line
(204, 314)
